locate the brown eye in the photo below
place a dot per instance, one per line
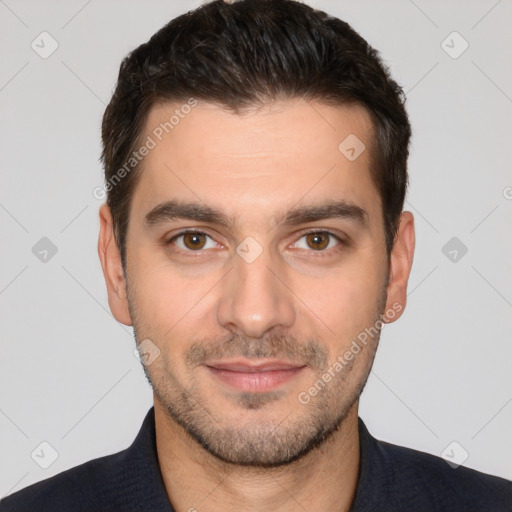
(194, 241)
(318, 241)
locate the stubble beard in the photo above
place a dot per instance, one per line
(263, 443)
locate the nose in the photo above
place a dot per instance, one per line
(254, 299)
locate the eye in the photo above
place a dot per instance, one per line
(319, 241)
(196, 241)
(192, 241)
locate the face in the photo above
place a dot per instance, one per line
(257, 276)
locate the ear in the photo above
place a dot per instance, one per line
(399, 268)
(110, 258)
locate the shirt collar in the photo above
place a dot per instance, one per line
(145, 488)
(376, 481)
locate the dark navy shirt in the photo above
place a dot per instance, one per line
(391, 478)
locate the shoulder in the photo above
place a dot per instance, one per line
(423, 478)
(76, 489)
(127, 481)
(399, 479)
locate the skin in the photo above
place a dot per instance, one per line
(221, 448)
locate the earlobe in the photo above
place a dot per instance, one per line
(113, 273)
(399, 268)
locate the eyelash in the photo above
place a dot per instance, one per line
(319, 253)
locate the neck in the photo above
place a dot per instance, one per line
(324, 479)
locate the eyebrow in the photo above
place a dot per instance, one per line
(174, 210)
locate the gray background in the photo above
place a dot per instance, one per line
(67, 369)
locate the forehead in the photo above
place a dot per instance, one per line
(260, 161)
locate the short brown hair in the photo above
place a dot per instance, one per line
(243, 54)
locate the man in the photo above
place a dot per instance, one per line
(256, 167)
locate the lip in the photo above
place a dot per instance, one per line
(254, 376)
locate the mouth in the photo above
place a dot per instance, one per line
(254, 376)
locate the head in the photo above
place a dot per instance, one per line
(255, 160)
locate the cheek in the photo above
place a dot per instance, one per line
(345, 296)
(171, 308)
(158, 296)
